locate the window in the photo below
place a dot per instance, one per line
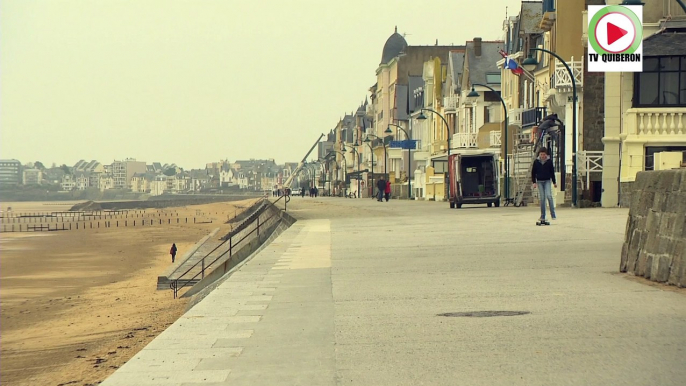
(493, 78)
(662, 82)
(487, 118)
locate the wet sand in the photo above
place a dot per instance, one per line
(76, 305)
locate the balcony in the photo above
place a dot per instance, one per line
(514, 117)
(532, 117)
(451, 103)
(548, 15)
(664, 122)
(561, 79)
(466, 141)
(673, 10)
(494, 138)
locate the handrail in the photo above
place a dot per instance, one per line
(286, 200)
(174, 285)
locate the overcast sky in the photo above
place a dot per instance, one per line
(197, 81)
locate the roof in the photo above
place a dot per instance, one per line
(670, 42)
(393, 47)
(456, 65)
(530, 17)
(486, 63)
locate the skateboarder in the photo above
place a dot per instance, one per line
(542, 175)
(172, 251)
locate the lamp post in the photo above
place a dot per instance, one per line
(345, 169)
(385, 155)
(422, 117)
(357, 155)
(371, 150)
(474, 94)
(409, 160)
(530, 64)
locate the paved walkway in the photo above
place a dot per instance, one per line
(351, 295)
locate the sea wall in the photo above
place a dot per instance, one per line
(655, 239)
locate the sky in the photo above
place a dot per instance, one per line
(198, 81)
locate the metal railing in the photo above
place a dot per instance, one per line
(177, 284)
(286, 200)
(533, 116)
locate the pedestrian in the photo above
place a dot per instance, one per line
(302, 191)
(316, 191)
(542, 174)
(172, 251)
(381, 185)
(387, 191)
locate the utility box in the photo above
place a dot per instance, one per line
(667, 160)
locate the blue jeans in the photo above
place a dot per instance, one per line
(545, 193)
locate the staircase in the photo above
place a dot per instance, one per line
(523, 158)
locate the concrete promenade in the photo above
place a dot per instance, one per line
(351, 295)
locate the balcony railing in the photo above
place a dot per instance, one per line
(660, 121)
(514, 117)
(439, 147)
(451, 103)
(533, 116)
(589, 162)
(466, 140)
(495, 138)
(561, 78)
(673, 10)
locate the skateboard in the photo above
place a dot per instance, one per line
(544, 222)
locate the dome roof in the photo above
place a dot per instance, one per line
(393, 47)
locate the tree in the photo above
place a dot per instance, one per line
(39, 165)
(65, 169)
(169, 172)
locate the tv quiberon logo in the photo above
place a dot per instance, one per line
(615, 38)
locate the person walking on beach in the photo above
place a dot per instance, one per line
(172, 252)
(542, 174)
(381, 185)
(387, 191)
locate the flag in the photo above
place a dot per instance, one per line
(511, 64)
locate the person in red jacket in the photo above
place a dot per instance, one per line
(172, 251)
(388, 190)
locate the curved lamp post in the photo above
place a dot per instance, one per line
(371, 150)
(409, 160)
(530, 64)
(357, 155)
(474, 94)
(422, 117)
(345, 169)
(385, 155)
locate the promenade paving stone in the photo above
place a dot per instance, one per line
(351, 295)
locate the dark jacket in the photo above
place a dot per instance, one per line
(381, 185)
(543, 171)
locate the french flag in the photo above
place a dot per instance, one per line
(511, 64)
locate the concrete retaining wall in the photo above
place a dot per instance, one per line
(171, 202)
(655, 241)
(271, 219)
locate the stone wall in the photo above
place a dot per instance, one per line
(625, 194)
(593, 124)
(655, 241)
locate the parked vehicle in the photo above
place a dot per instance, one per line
(474, 179)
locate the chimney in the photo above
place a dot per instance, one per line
(477, 47)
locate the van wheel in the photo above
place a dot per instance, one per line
(490, 204)
(497, 204)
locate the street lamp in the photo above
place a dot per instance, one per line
(409, 160)
(422, 117)
(371, 150)
(530, 64)
(475, 94)
(385, 155)
(357, 154)
(345, 170)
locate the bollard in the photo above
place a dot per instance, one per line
(134, 222)
(126, 223)
(117, 223)
(98, 224)
(91, 225)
